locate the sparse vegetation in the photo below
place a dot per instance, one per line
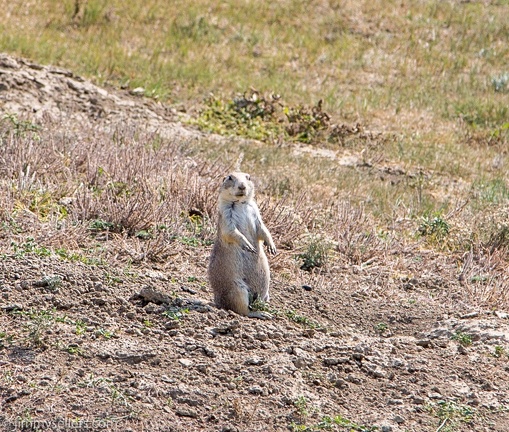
(435, 228)
(381, 327)
(451, 414)
(316, 254)
(300, 319)
(176, 313)
(463, 339)
(332, 423)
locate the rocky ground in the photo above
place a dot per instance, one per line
(141, 347)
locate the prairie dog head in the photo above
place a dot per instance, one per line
(237, 187)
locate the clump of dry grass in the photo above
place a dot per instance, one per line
(485, 277)
(356, 237)
(128, 183)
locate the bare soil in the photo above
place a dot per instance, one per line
(354, 347)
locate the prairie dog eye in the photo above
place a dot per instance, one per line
(248, 177)
(228, 178)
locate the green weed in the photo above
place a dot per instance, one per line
(331, 423)
(29, 246)
(434, 227)
(268, 118)
(39, 322)
(81, 327)
(302, 406)
(463, 339)
(101, 225)
(78, 257)
(451, 414)
(176, 313)
(300, 319)
(147, 323)
(381, 327)
(501, 82)
(5, 339)
(491, 191)
(74, 350)
(316, 254)
(117, 396)
(106, 334)
(22, 127)
(500, 352)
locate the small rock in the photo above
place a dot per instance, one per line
(189, 290)
(173, 324)
(225, 328)
(150, 294)
(470, 315)
(261, 336)
(398, 419)
(186, 362)
(500, 314)
(255, 390)
(209, 352)
(8, 62)
(425, 343)
(138, 91)
(340, 383)
(13, 307)
(202, 367)
(394, 401)
(52, 282)
(183, 412)
(335, 361)
(98, 301)
(134, 358)
(462, 350)
(167, 379)
(300, 362)
(418, 400)
(353, 379)
(358, 356)
(255, 361)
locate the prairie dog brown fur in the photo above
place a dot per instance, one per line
(239, 270)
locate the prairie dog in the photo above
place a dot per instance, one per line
(239, 270)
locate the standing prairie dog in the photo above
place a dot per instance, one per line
(239, 269)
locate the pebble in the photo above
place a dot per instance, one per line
(185, 362)
(255, 361)
(398, 419)
(425, 343)
(183, 412)
(333, 361)
(170, 325)
(470, 315)
(261, 336)
(418, 400)
(255, 390)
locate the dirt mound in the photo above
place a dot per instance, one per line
(362, 347)
(29, 89)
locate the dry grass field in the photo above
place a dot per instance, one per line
(377, 134)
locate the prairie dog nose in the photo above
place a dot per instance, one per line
(242, 186)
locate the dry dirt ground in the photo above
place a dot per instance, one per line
(357, 348)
